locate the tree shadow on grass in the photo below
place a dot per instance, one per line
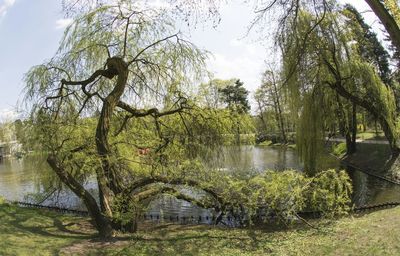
(175, 239)
(179, 244)
(40, 222)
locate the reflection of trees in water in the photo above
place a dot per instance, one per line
(381, 191)
(245, 158)
(27, 175)
(30, 179)
(360, 187)
(238, 157)
(281, 163)
(10, 178)
(32, 175)
(166, 206)
(260, 158)
(368, 190)
(45, 184)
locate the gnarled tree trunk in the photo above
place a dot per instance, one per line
(109, 181)
(102, 223)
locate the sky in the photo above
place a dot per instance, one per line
(30, 32)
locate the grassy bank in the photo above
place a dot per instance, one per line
(270, 143)
(37, 232)
(376, 157)
(371, 135)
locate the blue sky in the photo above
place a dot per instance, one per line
(29, 35)
(30, 32)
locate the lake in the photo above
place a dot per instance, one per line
(20, 178)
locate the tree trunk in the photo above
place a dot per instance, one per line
(262, 110)
(349, 148)
(391, 136)
(364, 122)
(278, 109)
(237, 132)
(387, 20)
(281, 123)
(102, 223)
(353, 128)
(388, 126)
(345, 126)
(107, 177)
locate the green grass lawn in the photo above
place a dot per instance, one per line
(36, 232)
(371, 135)
(377, 233)
(39, 232)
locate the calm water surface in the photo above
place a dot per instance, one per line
(19, 179)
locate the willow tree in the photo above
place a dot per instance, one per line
(288, 14)
(321, 65)
(109, 104)
(387, 12)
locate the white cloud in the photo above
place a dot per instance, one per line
(243, 60)
(160, 4)
(245, 68)
(236, 43)
(250, 48)
(7, 115)
(63, 23)
(5, 6)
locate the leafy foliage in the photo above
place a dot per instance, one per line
(323, 74)
(285, 194)
(115, 103)
(235, 96)
(369, 47)
(339, 149)
(330, 193)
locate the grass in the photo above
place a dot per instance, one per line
(37, 232)
(370, 135)
(339, 149)
(270, 143)
(265, 143)
(377, 233)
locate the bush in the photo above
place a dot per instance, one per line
(329, 193)
(286, 193)
(339, 149)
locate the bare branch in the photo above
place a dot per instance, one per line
(152, 45)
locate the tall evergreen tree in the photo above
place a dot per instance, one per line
(369, 47)
(235, 96)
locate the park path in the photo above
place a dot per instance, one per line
(383, 142)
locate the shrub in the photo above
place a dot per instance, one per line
(339, 149)
(286, 193)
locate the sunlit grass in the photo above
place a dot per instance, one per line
(370, 135)
(38, 232)
(377, 233)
